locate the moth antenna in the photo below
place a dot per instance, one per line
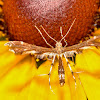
(69, 29)
(43, 37)
(48, 34)
(63, 36)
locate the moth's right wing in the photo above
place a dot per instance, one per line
(20, 47)
(95, 41)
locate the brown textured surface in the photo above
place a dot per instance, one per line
(22, 16)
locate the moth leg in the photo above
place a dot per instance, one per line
(82, 86)
(52, 64)
(72, 55)
(70, 69)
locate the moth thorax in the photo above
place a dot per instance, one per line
(59, 47)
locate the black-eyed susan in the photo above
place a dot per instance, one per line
(20, 79)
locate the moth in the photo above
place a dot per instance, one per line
(20, 47)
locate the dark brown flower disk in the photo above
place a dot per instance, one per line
(22, 16)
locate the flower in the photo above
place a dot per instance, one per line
(20, 79)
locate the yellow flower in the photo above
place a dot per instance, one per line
(20, 79)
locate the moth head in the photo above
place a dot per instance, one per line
(58, 44)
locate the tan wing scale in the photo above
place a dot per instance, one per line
(84, 45)
(19, 47)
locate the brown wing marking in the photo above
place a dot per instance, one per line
(88, 43)
(20, 47)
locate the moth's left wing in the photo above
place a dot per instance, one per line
(95, 41)
(20, 47)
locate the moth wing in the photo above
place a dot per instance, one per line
(95, 41)
(20, 47)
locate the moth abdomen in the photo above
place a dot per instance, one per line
(61, 76)
(61, 72)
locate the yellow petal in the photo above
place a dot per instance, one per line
(89, 60)
(89, 63)
(21, 80)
